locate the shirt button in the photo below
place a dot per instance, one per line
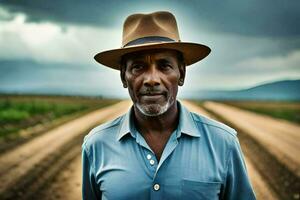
(152, 162)
(149, 156)
(156, 187)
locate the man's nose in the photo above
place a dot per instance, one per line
(152, 77)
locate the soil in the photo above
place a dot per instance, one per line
(20, 166)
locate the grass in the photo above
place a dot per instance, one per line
(20, 112)
(11, 112)
(283, 110)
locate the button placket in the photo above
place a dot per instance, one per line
(150, 161)
(150, 158)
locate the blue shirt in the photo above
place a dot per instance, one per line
(201, 160)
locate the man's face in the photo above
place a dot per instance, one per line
(152, 78)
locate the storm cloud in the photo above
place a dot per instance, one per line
(273, 18)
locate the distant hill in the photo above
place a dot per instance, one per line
(287, 90)
(281, 90)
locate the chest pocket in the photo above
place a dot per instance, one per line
(200, 190)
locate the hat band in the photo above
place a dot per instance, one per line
(150, 39)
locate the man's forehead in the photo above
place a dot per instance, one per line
(155, 53)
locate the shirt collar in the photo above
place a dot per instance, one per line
(127, 125)
(186, 124)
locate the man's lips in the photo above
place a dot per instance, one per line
(152, 94)
(152, 97)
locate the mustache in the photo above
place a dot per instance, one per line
(152, 91)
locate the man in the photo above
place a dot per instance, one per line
(159, 150)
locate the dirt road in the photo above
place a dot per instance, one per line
(17, 164)
(280, 137)
(66, 184)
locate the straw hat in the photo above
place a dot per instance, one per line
(156, 30)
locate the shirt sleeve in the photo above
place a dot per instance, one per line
(237, 184)
(89, 186)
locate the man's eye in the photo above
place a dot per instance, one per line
(166, 66)
(136, 67)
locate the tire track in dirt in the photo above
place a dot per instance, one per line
(17, 163)
(66, 185)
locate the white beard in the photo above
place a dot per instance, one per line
(153, 110)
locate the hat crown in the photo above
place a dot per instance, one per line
(157, 24)
(157, 30)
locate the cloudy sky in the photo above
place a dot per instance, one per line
(48, 46)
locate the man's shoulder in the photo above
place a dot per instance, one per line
(213, 126)
(105, 131)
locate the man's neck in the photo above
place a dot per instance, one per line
(165, 123)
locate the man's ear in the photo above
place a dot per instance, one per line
(182, 73)
(122, 75)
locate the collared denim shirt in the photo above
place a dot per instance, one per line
(201, 160)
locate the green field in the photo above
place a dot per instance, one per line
(283, 110)
(20, 112)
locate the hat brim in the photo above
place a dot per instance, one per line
(192, 52)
